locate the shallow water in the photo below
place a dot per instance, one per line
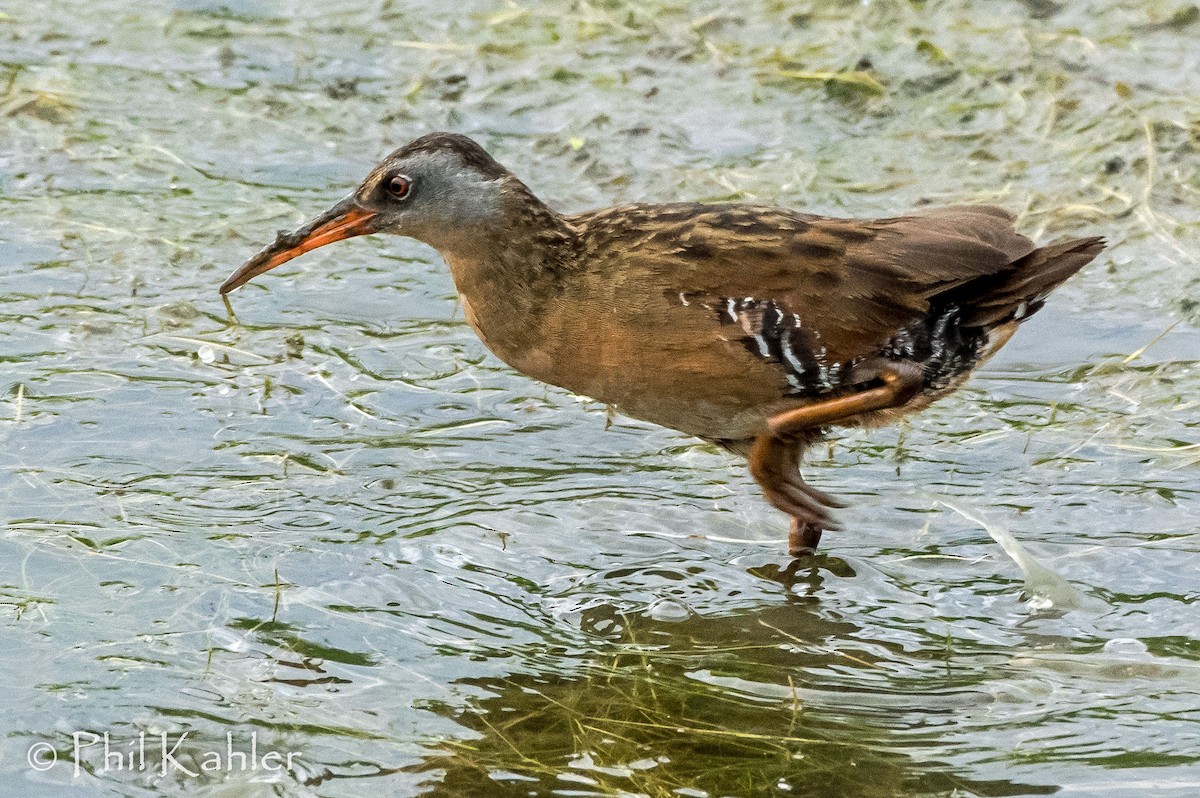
(335, 526)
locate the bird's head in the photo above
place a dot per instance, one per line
(437, 189)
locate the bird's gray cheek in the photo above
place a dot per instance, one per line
(477, 202)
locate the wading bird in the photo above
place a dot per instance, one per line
(754, 327)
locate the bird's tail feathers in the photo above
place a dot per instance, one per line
(1026, 287)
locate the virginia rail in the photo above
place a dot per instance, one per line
(753, 327)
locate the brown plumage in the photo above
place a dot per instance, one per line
(751, 326)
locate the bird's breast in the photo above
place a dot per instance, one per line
(511, 338)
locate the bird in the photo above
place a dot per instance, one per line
(757, 328)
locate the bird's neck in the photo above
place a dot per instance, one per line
(525, 248)
(509, 271)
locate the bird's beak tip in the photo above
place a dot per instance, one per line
(344, 220)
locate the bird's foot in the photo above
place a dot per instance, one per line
(775, 465)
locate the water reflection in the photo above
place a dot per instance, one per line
(735, 704)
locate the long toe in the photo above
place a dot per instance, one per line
(797, 503)
(794, 478)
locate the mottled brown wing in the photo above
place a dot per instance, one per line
(854, 283)
(889, 280)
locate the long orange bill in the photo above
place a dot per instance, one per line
(344, 220)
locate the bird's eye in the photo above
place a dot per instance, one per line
(399, 186)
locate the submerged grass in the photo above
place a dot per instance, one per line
(650, 724)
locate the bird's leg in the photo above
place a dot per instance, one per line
(775, 456)
(803, 537)
(901, 379)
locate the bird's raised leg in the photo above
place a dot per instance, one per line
(893, 383)
(775, 455)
